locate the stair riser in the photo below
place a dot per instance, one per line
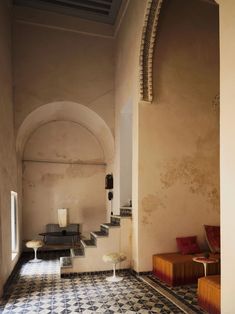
(77, 252)
(93, 239)
(100, 234)
(106, 230)
(125, 212)
(115, 221)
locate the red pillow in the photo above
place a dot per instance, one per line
(188, 245)
(213, 238)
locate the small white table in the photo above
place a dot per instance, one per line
(205, 261)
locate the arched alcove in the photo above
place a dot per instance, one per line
(67, 111)
(65, 149)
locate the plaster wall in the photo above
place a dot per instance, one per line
(227, 152)
(59, 65)
(8, 168)
(179, 131)
(125, 158)
(127, 48)
(63, 165)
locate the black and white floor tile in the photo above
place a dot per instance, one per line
(38, 288)
(184, 297)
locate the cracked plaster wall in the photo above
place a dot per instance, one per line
(63, 167)
(179, 131)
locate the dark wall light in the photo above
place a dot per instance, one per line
(109, 181)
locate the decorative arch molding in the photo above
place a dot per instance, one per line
(149, 34)
(67, 111)
(148, 42)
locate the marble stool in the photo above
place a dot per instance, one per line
(35, 244)
(114, 258)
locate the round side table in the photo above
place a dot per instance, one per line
(205, 261)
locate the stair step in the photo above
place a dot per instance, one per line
(66, 262)
(77, 252)
(126, 211)
(115, 220)
(126, 215)
(109, 224)
(119, 216)
(88, 243)
(104, 229)
(93, 238)
(100, 233)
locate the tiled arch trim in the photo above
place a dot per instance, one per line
(147, 48)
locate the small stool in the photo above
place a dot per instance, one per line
(114, 258)
(35, 244)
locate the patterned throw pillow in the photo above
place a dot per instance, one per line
(188, 245)
(213, 238)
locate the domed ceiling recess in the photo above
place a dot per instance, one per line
(104, 11)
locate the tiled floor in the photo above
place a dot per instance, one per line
(184, 296)
(38, 288)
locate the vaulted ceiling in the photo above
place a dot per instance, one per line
(104, 11)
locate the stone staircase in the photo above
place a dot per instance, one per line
(114, 236)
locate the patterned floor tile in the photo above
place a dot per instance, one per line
(184, 296)
(39, 289)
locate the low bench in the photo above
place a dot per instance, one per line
(64, 238)
(177, 269)
(209, 293)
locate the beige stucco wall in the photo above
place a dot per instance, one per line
(227, 151)
(8, 172)
(179, 131)
(61, 68)
(127, 50)
(63, 141)
(173, 157)
(63, 168)
(126, 158)
(60, 65)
